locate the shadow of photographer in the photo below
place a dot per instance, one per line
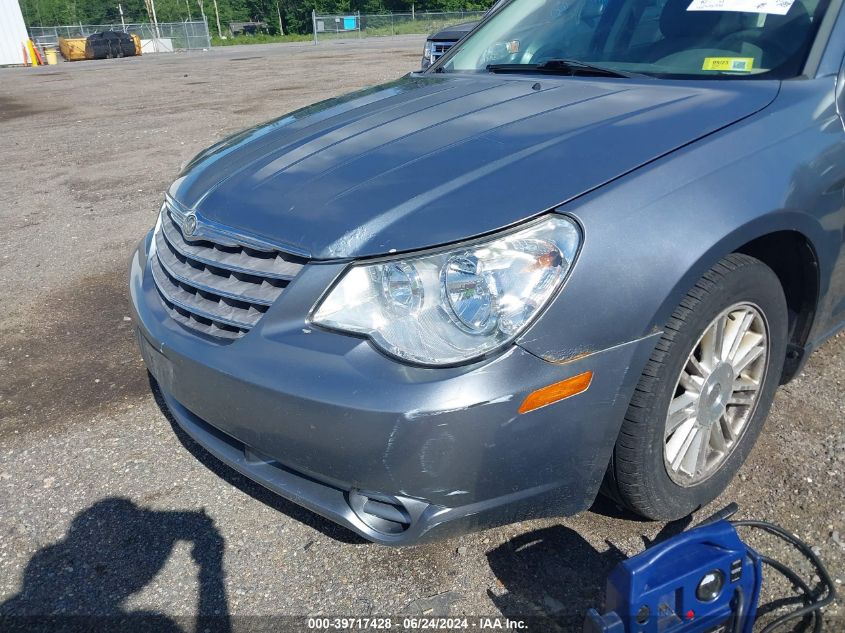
(247, 486)
(553, 575)
(110, 552)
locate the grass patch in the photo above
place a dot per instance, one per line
(260, 38)
(374, 26)
(413, 27)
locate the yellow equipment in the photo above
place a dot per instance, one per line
(73, 49)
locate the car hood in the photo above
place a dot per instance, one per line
(434, 159)
(454, 32)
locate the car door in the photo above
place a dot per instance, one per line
(833, 309)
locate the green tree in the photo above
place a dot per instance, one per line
(296, 14)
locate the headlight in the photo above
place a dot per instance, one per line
(427, 51)
(455, 305)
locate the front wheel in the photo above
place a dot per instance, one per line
(705, 393)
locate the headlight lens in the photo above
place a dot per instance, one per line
(468, 297)
(401, 288)
(427, 50)
(452, 306)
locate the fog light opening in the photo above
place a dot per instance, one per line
(383, 514)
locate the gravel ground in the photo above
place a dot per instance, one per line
(106, 509)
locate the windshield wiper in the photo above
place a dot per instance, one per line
(561, 67)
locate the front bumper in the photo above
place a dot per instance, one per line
(395, 453)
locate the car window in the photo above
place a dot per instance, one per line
(647, 28)
(665, 38)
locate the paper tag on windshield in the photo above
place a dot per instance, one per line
(777, 7)
(729, 64)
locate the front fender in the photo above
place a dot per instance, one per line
(651, 235)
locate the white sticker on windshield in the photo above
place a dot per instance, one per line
(777, 7)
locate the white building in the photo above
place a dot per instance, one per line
(12, 33)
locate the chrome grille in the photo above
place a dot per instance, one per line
(213, 281)
(439, 49)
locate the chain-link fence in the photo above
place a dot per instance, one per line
(163, 37)
(355, 25)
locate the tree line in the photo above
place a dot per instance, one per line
(295, 14)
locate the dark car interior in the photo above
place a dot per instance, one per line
(666, 33)
(678, 35)
(664, 37)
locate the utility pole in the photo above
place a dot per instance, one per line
(151, 11)
(279, 13)
(155, 20)
(217, 14)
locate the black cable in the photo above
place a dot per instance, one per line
(739, 610)
(815, 604)
(803, 598)
(806, 597)
(725, 513)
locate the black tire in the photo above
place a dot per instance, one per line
(637, 475)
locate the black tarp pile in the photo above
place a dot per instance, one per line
(109, 44)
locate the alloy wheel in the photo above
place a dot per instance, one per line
(716, 394)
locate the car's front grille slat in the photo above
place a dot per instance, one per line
(238, 260)
(439, 49)
(216, 288)
(206, 326)
(201, 276)
(203, 306)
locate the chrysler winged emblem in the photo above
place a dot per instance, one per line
(190, 224)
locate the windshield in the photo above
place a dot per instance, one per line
(664, 38)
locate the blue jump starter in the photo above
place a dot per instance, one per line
(704, 580)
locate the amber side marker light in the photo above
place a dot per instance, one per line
(557, 391)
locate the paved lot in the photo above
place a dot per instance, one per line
(106, 509)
